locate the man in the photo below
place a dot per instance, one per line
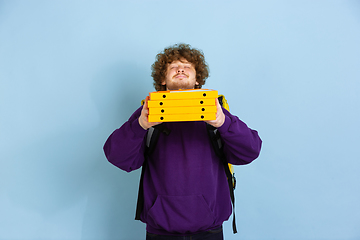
(184, 183)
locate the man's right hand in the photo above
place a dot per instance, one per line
(143, 119)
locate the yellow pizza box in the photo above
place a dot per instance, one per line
(182, 117)
(184, 94)
(182, 110)
(181, 103)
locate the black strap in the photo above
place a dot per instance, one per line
(140, 201)
(214, 139)
(152, 136)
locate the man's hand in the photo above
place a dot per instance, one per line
(220, 116)
(143, 119)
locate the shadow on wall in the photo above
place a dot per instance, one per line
(68, 168)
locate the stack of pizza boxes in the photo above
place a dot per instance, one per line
(182, 105)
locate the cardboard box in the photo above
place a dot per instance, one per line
(182, 105)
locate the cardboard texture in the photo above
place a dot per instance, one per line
(182, 105)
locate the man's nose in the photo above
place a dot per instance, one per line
(180, 69)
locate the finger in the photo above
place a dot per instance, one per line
(145, 110)
(218, 104)
(146, 102)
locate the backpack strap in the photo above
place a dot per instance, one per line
(151, 140)
(215, 139)
(140, 200)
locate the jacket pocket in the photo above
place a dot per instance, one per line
(180, 214)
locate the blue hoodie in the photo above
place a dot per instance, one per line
(185, 186)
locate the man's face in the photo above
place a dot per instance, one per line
(180, 75)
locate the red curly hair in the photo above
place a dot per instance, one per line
(179, 52)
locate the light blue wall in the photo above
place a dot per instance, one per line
(73, 71)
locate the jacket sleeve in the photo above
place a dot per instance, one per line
(241, 144)
(125, 146)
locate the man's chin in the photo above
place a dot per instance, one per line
(172, 88)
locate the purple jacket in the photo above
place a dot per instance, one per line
(185, 186)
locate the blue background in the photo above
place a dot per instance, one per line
(73, 71)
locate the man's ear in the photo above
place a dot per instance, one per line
(196, 83)
(163, 83)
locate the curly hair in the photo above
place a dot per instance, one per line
(179, 52)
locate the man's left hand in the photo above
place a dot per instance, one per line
(220, 116)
